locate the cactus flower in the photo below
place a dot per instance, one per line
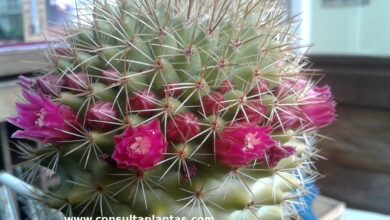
(43, 120)
(288, 117)
(101, 116)
(315, 107)
(318, 107)
(140, 148)
(242, 143)
(291, 87)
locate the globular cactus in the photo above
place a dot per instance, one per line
(176, 107)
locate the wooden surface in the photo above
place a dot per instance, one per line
(358, 167)
(358, 81)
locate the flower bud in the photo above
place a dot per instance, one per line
(170, 90)
(212, 103)
(225, 87)
(50, 84)
(253, 112)
(101, 116)
(77, 82)
(109, 77)
(274, 154)
(183, 127)
(142, 102)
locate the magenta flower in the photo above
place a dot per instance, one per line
(318, 107)
(242, 143)
(291, 87)
(212, 103)
(101, 116)
(140, 148)
(274, 154)
(143, 102)
(315, 106)
(183, 127)
(288, 117)
(43, 120)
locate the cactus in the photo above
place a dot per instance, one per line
(183, 108)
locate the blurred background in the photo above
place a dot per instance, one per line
(349, 42)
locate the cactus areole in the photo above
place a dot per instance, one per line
(180, 108)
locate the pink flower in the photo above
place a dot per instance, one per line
(291, 87)
(318, 107)
(43, 120)
(253, 111)
(142, 147)
(274, 154)
(101, 116)
(212, 103)
(242, 143)
(288, 117)
(142, 102)
(315, 107)
(183, 127)
(77, 82)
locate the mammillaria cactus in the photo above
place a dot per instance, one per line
(182, 108)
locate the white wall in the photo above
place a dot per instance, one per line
(348, 30)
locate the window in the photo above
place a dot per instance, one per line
(345, 27)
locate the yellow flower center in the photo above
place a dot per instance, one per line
(250, 142)
(141, 145)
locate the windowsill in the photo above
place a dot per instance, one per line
(10, 93)
(22, 58)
